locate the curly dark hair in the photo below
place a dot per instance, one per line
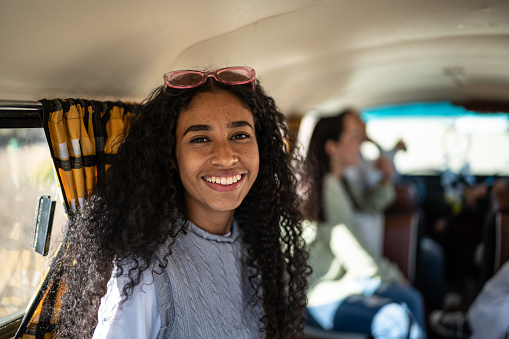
(142, 194)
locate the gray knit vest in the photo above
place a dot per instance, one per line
(204, 291)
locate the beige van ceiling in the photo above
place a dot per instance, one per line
(309, 54)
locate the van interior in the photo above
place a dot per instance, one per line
(434, 74)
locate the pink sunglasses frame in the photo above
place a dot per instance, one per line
(214, 74)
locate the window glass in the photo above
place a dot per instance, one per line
(441, 136)
(26, 172)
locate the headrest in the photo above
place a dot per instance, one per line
(406, 197)
(500, 197)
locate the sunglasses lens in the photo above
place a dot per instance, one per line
(185, 79)
(235, 75)
(230, 75)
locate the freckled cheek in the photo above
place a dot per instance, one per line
(250, 153)
(188, 164)
(256, 160)
(254, 155)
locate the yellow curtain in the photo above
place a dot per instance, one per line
(83, 136)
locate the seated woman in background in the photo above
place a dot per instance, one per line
(350, 289)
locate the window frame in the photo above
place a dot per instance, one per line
(22, 115)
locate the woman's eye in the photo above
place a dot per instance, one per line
(240, 136)
(199, 139)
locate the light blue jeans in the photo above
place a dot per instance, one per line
(391, 311)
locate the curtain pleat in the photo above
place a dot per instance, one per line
(87, 150)
(83, 136)
(114, 130)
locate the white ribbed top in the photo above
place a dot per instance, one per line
(204, 292)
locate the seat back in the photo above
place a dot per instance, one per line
(401, 230)
(501, 204)
(400, 241)
(502, 242)
(495, 234)
(500, 198)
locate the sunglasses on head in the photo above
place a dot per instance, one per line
(237, 75)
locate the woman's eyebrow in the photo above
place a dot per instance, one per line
(197, 128)
(234, 124)
(241, 123)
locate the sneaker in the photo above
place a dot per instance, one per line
(450, 324)
(452, 302)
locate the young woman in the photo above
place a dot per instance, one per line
(195, 231)
(351, 289)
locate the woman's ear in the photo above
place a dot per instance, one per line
(331, 147)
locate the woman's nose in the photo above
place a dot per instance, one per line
(223, 154)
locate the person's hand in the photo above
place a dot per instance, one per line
(384, 165)
(400, 145)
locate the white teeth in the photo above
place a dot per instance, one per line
(224, 180)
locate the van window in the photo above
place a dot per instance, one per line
(441, 136)
(26, 172)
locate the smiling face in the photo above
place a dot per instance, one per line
(345, 151)
(217, 157)
(351, 139)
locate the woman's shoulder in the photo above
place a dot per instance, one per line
(332, 185)
(117, 316)
(129, 267)
(330, 179)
